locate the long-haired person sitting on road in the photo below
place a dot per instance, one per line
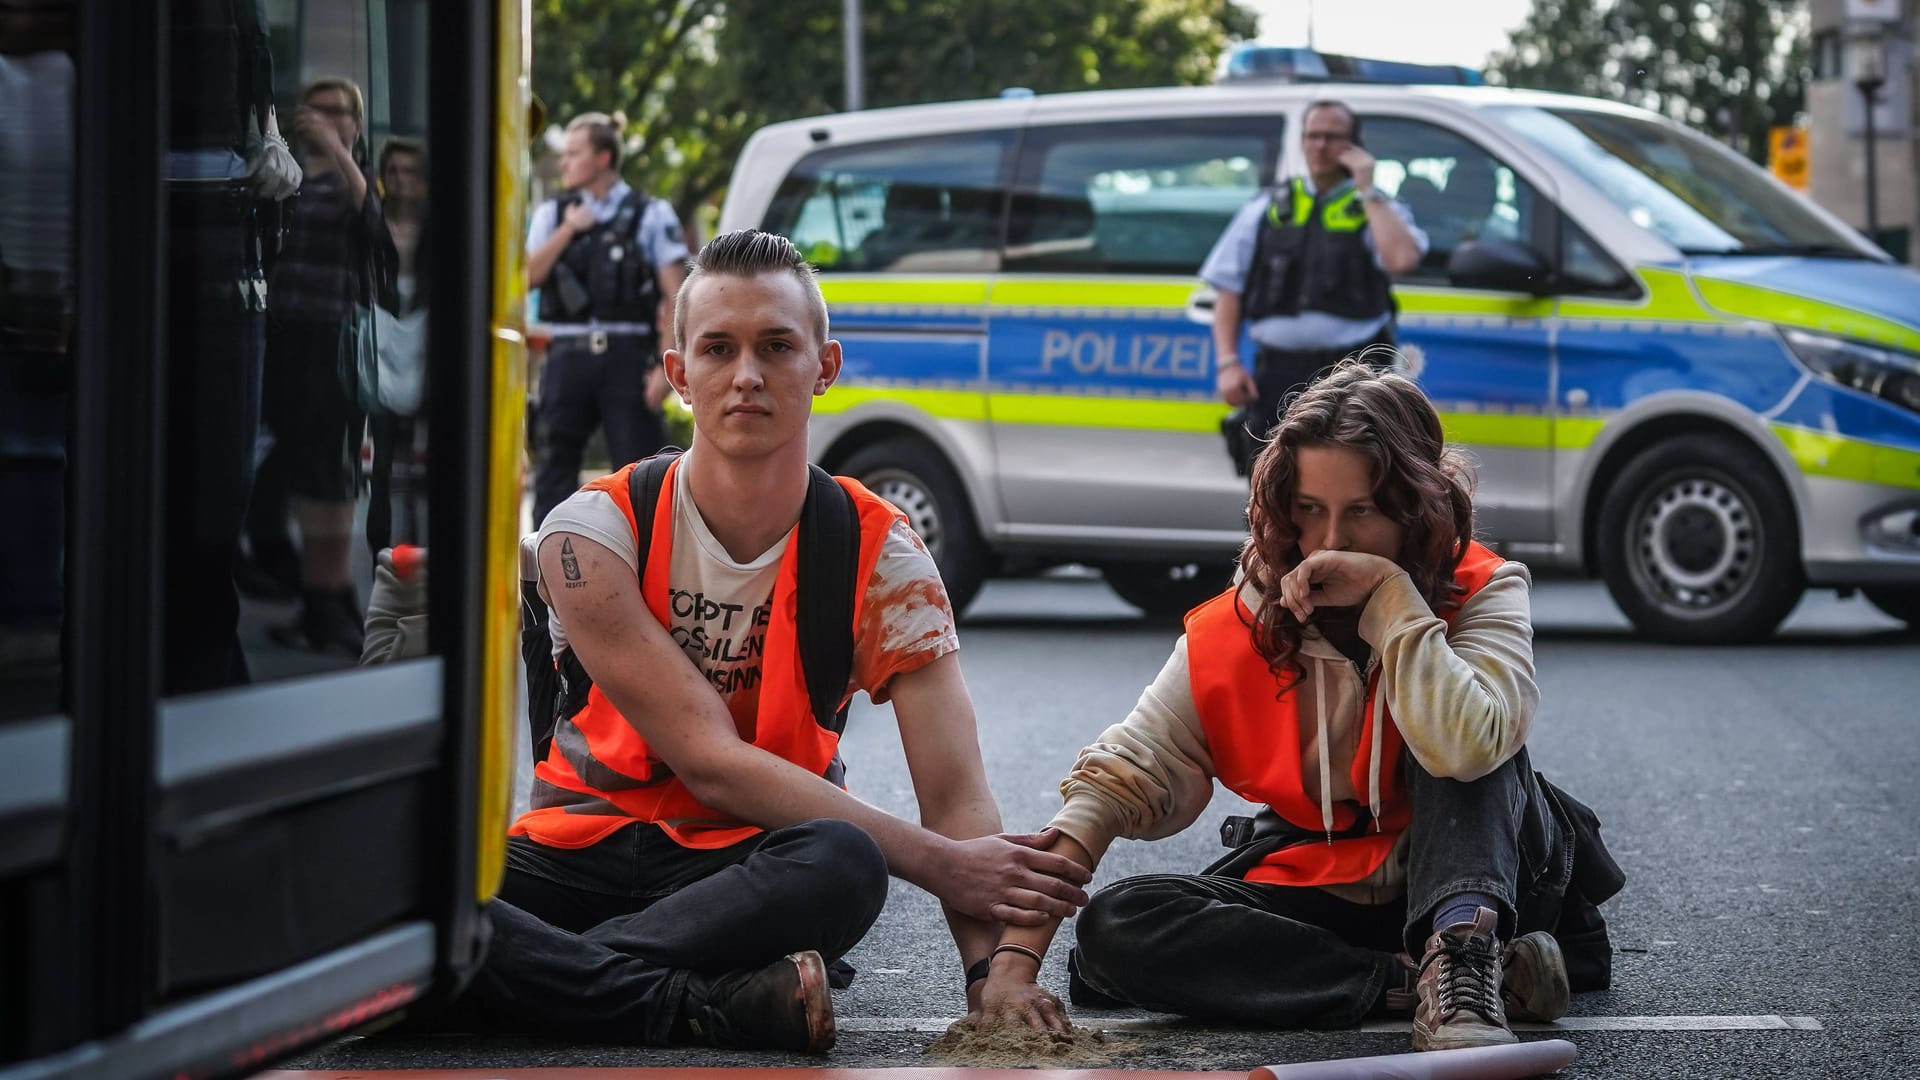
(1369, 680)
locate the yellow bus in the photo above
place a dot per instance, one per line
(224, 838)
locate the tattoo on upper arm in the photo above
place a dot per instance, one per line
(570, 564)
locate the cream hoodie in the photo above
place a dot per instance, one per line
(1462, 701)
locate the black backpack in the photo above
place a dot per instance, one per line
(829, 565)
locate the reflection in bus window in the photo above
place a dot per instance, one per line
(297, 447)
(36, 323)
(229, 173)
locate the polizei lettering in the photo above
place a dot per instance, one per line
(1150, 356)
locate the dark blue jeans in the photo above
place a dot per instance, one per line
(598, 944)
(581, 390)
(1223, 948)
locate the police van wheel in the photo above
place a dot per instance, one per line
(1902, 604)
(1167, 589)
(915, 478)
(1697, 542)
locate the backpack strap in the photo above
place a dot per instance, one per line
(643, 490)
(829, 566)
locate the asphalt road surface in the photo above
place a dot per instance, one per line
(1764, 800)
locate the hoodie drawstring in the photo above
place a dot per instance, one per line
(1373, 758)
(1326, 766)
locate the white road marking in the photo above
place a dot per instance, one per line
(935, 1024)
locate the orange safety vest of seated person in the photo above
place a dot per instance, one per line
(600, 774)
(1255, 741)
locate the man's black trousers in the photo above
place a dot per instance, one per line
(1278, 373)
(581, 390)
(598, 944)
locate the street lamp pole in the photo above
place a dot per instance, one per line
(850, 29)
(1869, 75)
(1873, 170)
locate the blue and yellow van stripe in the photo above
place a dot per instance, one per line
(920, 343)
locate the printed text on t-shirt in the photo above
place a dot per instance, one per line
(723, 639)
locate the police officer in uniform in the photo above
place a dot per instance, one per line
(607, 260)
(1307, 265)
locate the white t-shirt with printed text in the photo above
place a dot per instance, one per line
(718, 608)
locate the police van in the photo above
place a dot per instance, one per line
(1673, 372)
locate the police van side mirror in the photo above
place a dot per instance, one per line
(1500, 265)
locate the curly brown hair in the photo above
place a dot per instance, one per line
(1418, 481)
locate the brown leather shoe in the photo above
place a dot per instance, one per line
(1459, 988)
(783, 1006)
(1533, 985)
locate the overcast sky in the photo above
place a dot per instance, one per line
(1422, 31)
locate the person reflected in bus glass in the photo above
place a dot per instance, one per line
(1306, 266)
(335, 256)
(607, 261)
(396, 510)
(691, 869)
(36, 332)
(1368, 679)
(228, 170)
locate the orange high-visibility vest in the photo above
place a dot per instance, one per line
(600, 774)
(1255, 741)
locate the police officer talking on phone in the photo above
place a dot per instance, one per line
(607, 260)
(1307, 265)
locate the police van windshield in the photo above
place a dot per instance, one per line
(1679, 184)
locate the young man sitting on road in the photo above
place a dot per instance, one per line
(687, 871)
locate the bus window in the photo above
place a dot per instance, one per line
(228, 826)
(295, 331)
(36, 322)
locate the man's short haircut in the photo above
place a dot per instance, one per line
(603, 133)
(1353, 118)
(748, 253)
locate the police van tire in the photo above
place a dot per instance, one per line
(1902, 604)
(1167, 589)
(1698, 544)
(917, 479)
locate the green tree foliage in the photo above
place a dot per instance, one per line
(697, 77)
(1731, 68)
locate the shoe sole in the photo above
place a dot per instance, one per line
(1438, 1040)
(816, 998)
(1541, 970)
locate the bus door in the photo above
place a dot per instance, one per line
(256, 607)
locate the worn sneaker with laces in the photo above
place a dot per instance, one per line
(783, 1006)
(1459, 988)
(1533, 985)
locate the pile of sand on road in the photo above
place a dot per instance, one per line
(1014, 1047)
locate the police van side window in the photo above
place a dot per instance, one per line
(1135, 198)
(911, 206)
(1456, 190)
(1586, 268)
